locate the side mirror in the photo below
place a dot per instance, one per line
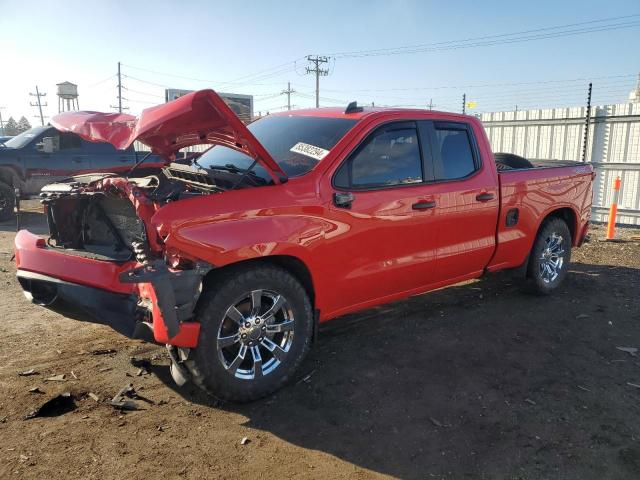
(48, 145)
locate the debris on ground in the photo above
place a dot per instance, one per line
(583, 388)
(582, 316)
(35, 390)
(74, 375)
(244, 441)
(529, 401)
(57, 378)
(141, 371)
(125, 399)
(58, 405)
(94, 396)
(633, 384)
(438, 423)
(103, 351)
(27, 373)
(307, 377)
(630, 350)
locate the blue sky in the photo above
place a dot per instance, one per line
(221, 41)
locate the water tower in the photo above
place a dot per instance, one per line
(67, 97)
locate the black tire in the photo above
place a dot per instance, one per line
(204, 362)
(541, 280)
(7, 202)
(509, 161)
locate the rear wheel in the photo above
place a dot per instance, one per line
(550, 257)
(256, 328)
(7, 201)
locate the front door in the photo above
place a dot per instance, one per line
(385, 207)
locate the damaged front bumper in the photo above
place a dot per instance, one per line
(150, 302)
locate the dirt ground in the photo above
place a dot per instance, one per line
(474, 381)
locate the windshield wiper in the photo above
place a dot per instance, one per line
(229, 167)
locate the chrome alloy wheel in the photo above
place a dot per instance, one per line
(552, 258)
(256, 334)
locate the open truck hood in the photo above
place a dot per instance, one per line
(196, 118)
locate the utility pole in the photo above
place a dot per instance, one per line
(119, 90)
(1, 122)
(587, 121)
(464, 103)
(119, 107)
(288, 93)
(431, 104)
(318, 71)
(38, 103)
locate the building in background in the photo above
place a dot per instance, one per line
(241, 104)
(634, 95)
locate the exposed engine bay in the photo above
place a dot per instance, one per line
(106, 216)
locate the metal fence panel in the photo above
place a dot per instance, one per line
(613, 147)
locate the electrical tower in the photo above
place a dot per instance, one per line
(119, 106)
(288, 93)
(39, 103)
(319, 72)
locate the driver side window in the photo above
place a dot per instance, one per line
(391, 156)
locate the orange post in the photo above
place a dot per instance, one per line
(613, 210)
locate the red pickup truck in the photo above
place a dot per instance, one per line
(294, 220)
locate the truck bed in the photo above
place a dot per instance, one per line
(532, 193)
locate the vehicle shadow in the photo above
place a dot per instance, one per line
(477, 380)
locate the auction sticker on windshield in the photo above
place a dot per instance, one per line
(309, 150)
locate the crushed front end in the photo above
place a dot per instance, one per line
(103, 261)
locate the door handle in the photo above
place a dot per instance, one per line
(423, 205)
(485, 197)
(343, 199)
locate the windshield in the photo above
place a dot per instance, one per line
(24, 138)
(310, 137)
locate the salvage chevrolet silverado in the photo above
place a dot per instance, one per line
(296, 219)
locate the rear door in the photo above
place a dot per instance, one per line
(467, 202)
(382, 199)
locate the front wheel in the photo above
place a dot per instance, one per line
(256, 328)
(550, 257)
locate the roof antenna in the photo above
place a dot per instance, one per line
(353, 108)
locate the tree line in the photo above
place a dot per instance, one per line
(11, 127)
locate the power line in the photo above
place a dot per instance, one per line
(38, 103)
(243, 80)
(485, 85)
(488, 40)
(318, 72)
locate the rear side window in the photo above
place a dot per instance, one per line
(389, 157)
(69, 141)
(453, 143)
